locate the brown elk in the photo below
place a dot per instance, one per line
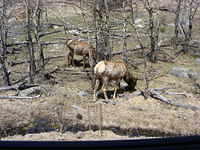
(20, 14)
(81, 48)
(107, 71)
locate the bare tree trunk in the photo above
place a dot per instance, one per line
(125, 33)
(188, 12)
(194, 5)
(101, 18)
(32, 66)
(152, 38)
(37, 16)
(154, 29)
(107, 30)
(177, 22)
(4, 33)
(134, 12)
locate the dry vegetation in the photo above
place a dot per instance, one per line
(61, 113)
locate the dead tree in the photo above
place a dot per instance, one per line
(37, 20)
(189, 11)
(185, 12)
(177, 20)
(4, 36)
(101, 18)
(154, 29)
(134, 9)
(32, 65)
(147, 70)
(125, 23)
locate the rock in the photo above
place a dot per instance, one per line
(184, 73)
(139, 26)
(194, 48)
(74, 32)
(83, 93)
(138, 20)
(171, 24)
(198, 60)
(194, 75)
(180, 72)
(139, 23)
(196, 87)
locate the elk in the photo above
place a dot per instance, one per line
(108, 71)
(19, 13)
(81, 48)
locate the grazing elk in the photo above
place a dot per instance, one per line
(107, 71)
(81, 48)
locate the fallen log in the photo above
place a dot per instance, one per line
(163, 91)
(49, 33)
(32, 91)
(74, 70)
(175, 93)
(6, 88)
(26, 61)
(19, 97)
(23, 43)
(156, 95)
(20, 86)
(136, 49)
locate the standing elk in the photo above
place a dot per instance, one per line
(107, 71)
(81, 48)
(20, 14)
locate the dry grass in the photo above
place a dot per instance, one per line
(152, 116)
(128, 118)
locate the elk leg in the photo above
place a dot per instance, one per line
(84, 62)
(69, 58)
(72, 60)
(104, 87)
(97, 83)
(115, 90)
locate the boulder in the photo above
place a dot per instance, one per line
(83, 93)
(194, 75)
(184, 73)
(180, 72)
(194, 48)
(198, 61)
